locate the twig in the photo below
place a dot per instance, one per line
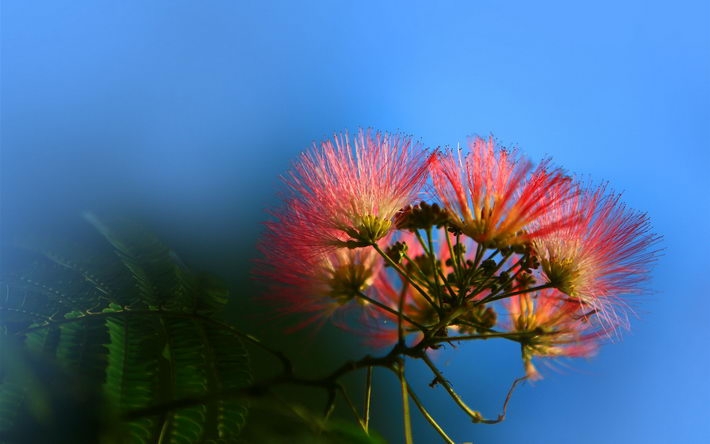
(404, 274)
(428, 417)
(391, 310)
(405, 403)
(349, 402)
(501, 416)
(474, 415)
(514, 293)
(368, 398)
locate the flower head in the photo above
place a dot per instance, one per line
(494, 195)
(317, 286)
(346, 191)
(556, 326)
(602, 257)
(342, 197)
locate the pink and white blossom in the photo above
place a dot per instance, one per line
(494, 195)
(600, 259)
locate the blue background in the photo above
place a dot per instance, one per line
(184, 113)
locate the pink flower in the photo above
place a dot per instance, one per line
(346, 192)
(342, 198)
(494, 196)
(557, 327)
(602, 257)
(318, 286)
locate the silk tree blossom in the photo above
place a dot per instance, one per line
(601, 258)
(331, 285)
(350, 245)
(341, 195)
(495, 196)
(346, 191)
(553, 326)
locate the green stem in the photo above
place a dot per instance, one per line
(501, 416)
(405, 403)
(416, 267)
(474, 415)
(330, 405)
(350, 403)
(400, 314)
(448, 287)
(436, 305)
(368, 398)
(514, 336)
(486, 282)
(404, 274)
(428, 417)
(391, 310)
(454, 259)
(445, 321)
(438, 271)
(480, 249)
(513, 293)
(431, 302)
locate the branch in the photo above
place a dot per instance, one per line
(258, 389)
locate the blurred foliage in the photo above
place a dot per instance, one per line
(101, 340)
(280, 422)
(87, 339)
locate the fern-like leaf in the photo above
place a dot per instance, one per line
(132, 373)
(140, 328)
(229, 367)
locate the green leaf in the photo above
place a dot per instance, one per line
(133, 370)
(228, 368)
(132, 324)
(187, 375)
(160, 278)
(38, 400)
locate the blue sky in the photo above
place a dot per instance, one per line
(185, 113)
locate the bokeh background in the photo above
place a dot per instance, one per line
(183, 114)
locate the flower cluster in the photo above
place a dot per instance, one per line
(342, 198)
(355, 241)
